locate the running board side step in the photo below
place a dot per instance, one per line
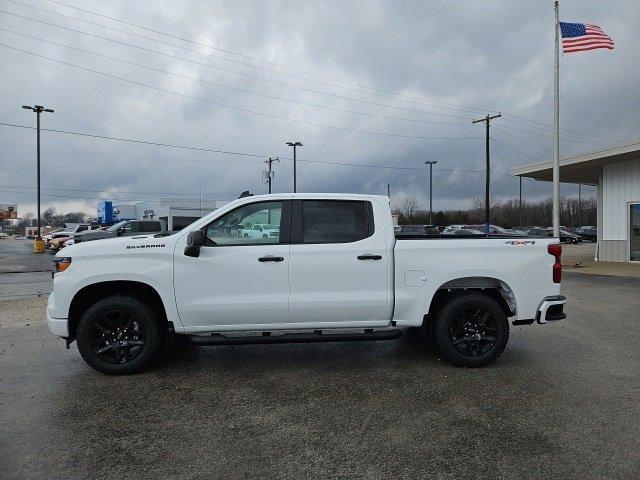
(219, 339)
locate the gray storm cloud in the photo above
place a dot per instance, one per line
(418, 62)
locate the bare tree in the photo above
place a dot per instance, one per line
(409, 207)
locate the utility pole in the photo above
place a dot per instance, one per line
(431, 164)
(269, 174)
(520, 203)
(388, 190)
(294, 145)
(38, 246)
(487, 120)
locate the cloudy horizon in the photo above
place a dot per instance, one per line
(376, 83)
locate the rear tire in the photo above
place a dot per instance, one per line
(471, 330)
(119, 335)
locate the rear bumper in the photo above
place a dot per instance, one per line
(551, 309)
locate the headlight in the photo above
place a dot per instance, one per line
(60, 264)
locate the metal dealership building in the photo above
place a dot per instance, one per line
(177, 213)
(616, 173)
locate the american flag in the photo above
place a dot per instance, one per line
(577, 37)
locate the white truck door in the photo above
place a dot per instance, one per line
(338, 272)
(237, 282)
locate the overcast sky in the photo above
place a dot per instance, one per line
(410, 73)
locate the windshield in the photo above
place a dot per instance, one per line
(116, 226)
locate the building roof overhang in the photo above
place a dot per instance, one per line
(583, 168)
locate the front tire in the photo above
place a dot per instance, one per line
(471, 330)
(119, 335)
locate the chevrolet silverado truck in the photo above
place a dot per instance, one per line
(336, 272)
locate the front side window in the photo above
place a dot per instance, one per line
(330, 221)
(132, 227)
(243, 226)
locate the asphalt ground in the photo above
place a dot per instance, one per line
(562, 402)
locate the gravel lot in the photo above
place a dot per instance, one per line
(562, 402)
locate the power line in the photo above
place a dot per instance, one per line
(202, 149)
(202, 53)
(515, 150)
(382, 93)
(143, 142)
(524, 140)
(614, 140)
(395, 94)
(252, 92)
(233, 107)
(119, 192)
(275, 82)
(565, 136)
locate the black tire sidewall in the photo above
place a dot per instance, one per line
(462, 302)
(142, 312)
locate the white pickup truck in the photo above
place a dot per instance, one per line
(336, 272)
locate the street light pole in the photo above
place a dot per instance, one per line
(294, 145)
(38, 109)
(431, 164)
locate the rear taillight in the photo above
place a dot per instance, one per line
(556, 250)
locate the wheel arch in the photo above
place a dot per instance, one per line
(493, 287)
(89, 294)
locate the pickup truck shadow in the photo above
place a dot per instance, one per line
(411, 347)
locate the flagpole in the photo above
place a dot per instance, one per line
(556, 129)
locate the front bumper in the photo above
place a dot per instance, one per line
(57, 326)
(551, 309)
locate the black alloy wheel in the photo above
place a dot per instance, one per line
(120, 335)
(117, 337)
(473, 332)
(471, 329)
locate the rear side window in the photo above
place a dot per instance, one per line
(336, 221)
(150, 227)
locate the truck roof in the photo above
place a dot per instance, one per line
(327, 196)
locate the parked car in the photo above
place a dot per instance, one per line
(124, 228)
(58, 243)
(335, 273)
(50, 235)
(3, 235)
(538, 232)
(461, 231)
(496, 231)
(566, 236)
(261, 230)
(419, 230)
(588, 233)
(55, 235)
(68, 232)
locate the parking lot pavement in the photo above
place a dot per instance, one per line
(561, 402)
(17, 256)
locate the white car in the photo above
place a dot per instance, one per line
(3, 235)
(261, 230)
(336, 272)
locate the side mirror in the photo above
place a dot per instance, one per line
(195, 240)
(120, 231)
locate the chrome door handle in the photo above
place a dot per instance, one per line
(270, 258)
(368, 256)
